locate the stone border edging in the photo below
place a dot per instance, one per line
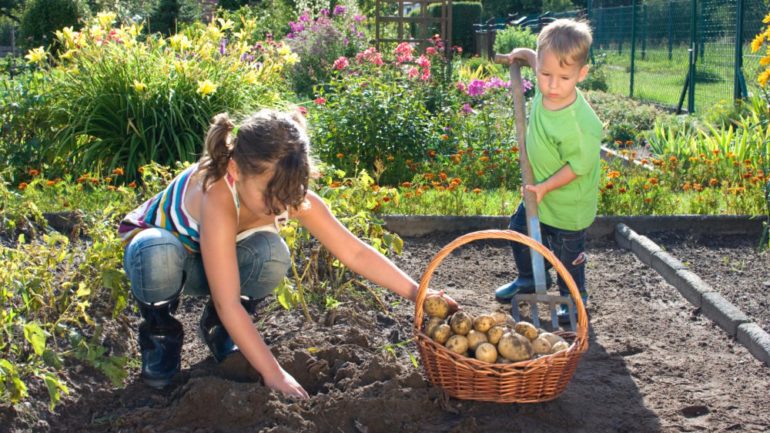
(697, 292)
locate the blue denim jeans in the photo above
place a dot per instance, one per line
(567, 245)
(159, 267)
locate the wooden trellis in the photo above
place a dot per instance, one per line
(422, 22)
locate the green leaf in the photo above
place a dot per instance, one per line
(36, 337)
(55, 388)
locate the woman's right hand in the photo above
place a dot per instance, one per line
(285, 383)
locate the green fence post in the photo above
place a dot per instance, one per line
(693, 56)
(699, 54)
(670, 30)
(739, 84)
(644, 31)
(588, 16)
(633, 48)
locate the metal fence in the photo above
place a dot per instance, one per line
(688, 54)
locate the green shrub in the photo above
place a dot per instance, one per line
(597, 75)
(464, 16)
(625, 118)
(42, 17)
(269, 17)
(124, 103)
(514, 37)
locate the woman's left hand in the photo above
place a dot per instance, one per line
(453, 305)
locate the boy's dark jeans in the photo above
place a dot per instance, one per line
(567, 245)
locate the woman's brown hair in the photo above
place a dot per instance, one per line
(267, 139)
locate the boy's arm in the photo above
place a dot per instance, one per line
(562, 177)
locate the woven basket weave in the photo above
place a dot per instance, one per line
(532, 381)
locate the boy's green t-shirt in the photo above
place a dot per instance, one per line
(571, 136)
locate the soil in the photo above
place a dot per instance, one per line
(654, 363)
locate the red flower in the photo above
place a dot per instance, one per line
(320, 100)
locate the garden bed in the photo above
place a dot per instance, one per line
(654, 363)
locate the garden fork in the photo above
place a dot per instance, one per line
(533, 222)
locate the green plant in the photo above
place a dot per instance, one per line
(514, 37)
(597, 75)
(117, 101)
(317, 276)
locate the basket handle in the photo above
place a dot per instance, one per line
(582, 322)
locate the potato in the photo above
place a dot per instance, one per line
(442, 333)
(457, 344)
(552, 338)
(436, 306)
(502, 318)
(502, 360)
(475, 338)
(433, 322)
(483, 323)
(486, 352)
(461, 323)
(541, 345)
(514, 346)
(526, 329)
(494, 334)
(559, 346)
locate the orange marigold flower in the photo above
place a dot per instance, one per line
(50, 183)
(686, 186)
(442, 175)
(646, 187)
(111, 187)
(23, 185)
(736, 164)
(647, 200)
(644, 161)
(376, 188)
(477, 190)
(715, 151)
(514, 149)
(335, 184)
(386, 199)
(484, 159)
(132, 184)
(83, 178)
(432, 153)
(444, 137)
(747, 175)
(629, 142)
(390, 158)
(33, 172)
(672, 159)
(440, 188)
(653, 180)
(427, 176)
(406, 184)
(480, 172)
(118, 171)
(418, 192)
(618, 143)
(697, 187)
(713, 182)
(613, 174)
(609, 185)
(622, 189)
(456, 181)
(141, 170)
(340, 155)
(94, 181)
(747, 162)
(456, 158)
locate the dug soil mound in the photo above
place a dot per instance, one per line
(654, 362)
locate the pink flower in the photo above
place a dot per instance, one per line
(413, 72)
(403, 52)
(320, 100)
(525, 84)
(341, 63)
(430, 51)
(460, 86)
(467, 109)
(425, 75)
(476, 88)
(423, 62)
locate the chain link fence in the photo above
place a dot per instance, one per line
(651, 49)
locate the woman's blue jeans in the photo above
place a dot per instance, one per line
(568, 246)
(159, 266)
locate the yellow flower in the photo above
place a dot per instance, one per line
(106, 19)
(291, 59)
(67, 36)
(180, 42)
(251, 78)
(284, 50)
(763, 77)
(139, 87)
(766, 19)
(757, 42)
(36, 55)
(225, 25)
(206, 87)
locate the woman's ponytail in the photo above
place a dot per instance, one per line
(219, 149)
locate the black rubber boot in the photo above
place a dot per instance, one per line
(160, 341)
(214, 333)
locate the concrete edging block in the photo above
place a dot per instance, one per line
(644, 248)
(623, 236)
(756, 340)
(666, 265)
(723, 312)
(690, 285)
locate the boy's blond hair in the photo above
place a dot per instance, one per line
(568, 39)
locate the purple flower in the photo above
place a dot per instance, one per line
(296, 27)
(223, 46)
(525, 84)
(359, 18)
(339, 10)
(324, 12)
(305, 17)
(467, 109)
(494, 83)
(476, 88)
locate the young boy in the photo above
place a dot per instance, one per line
(563, 142)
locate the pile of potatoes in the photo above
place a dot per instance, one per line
(493, 337)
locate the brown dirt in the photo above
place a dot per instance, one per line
(654, 363)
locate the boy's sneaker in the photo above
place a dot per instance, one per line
(563, 312)
(526, 285)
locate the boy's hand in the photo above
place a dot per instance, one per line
(285, 383)
(539, 190)
(453, 305)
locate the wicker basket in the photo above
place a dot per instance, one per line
(532, 381)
